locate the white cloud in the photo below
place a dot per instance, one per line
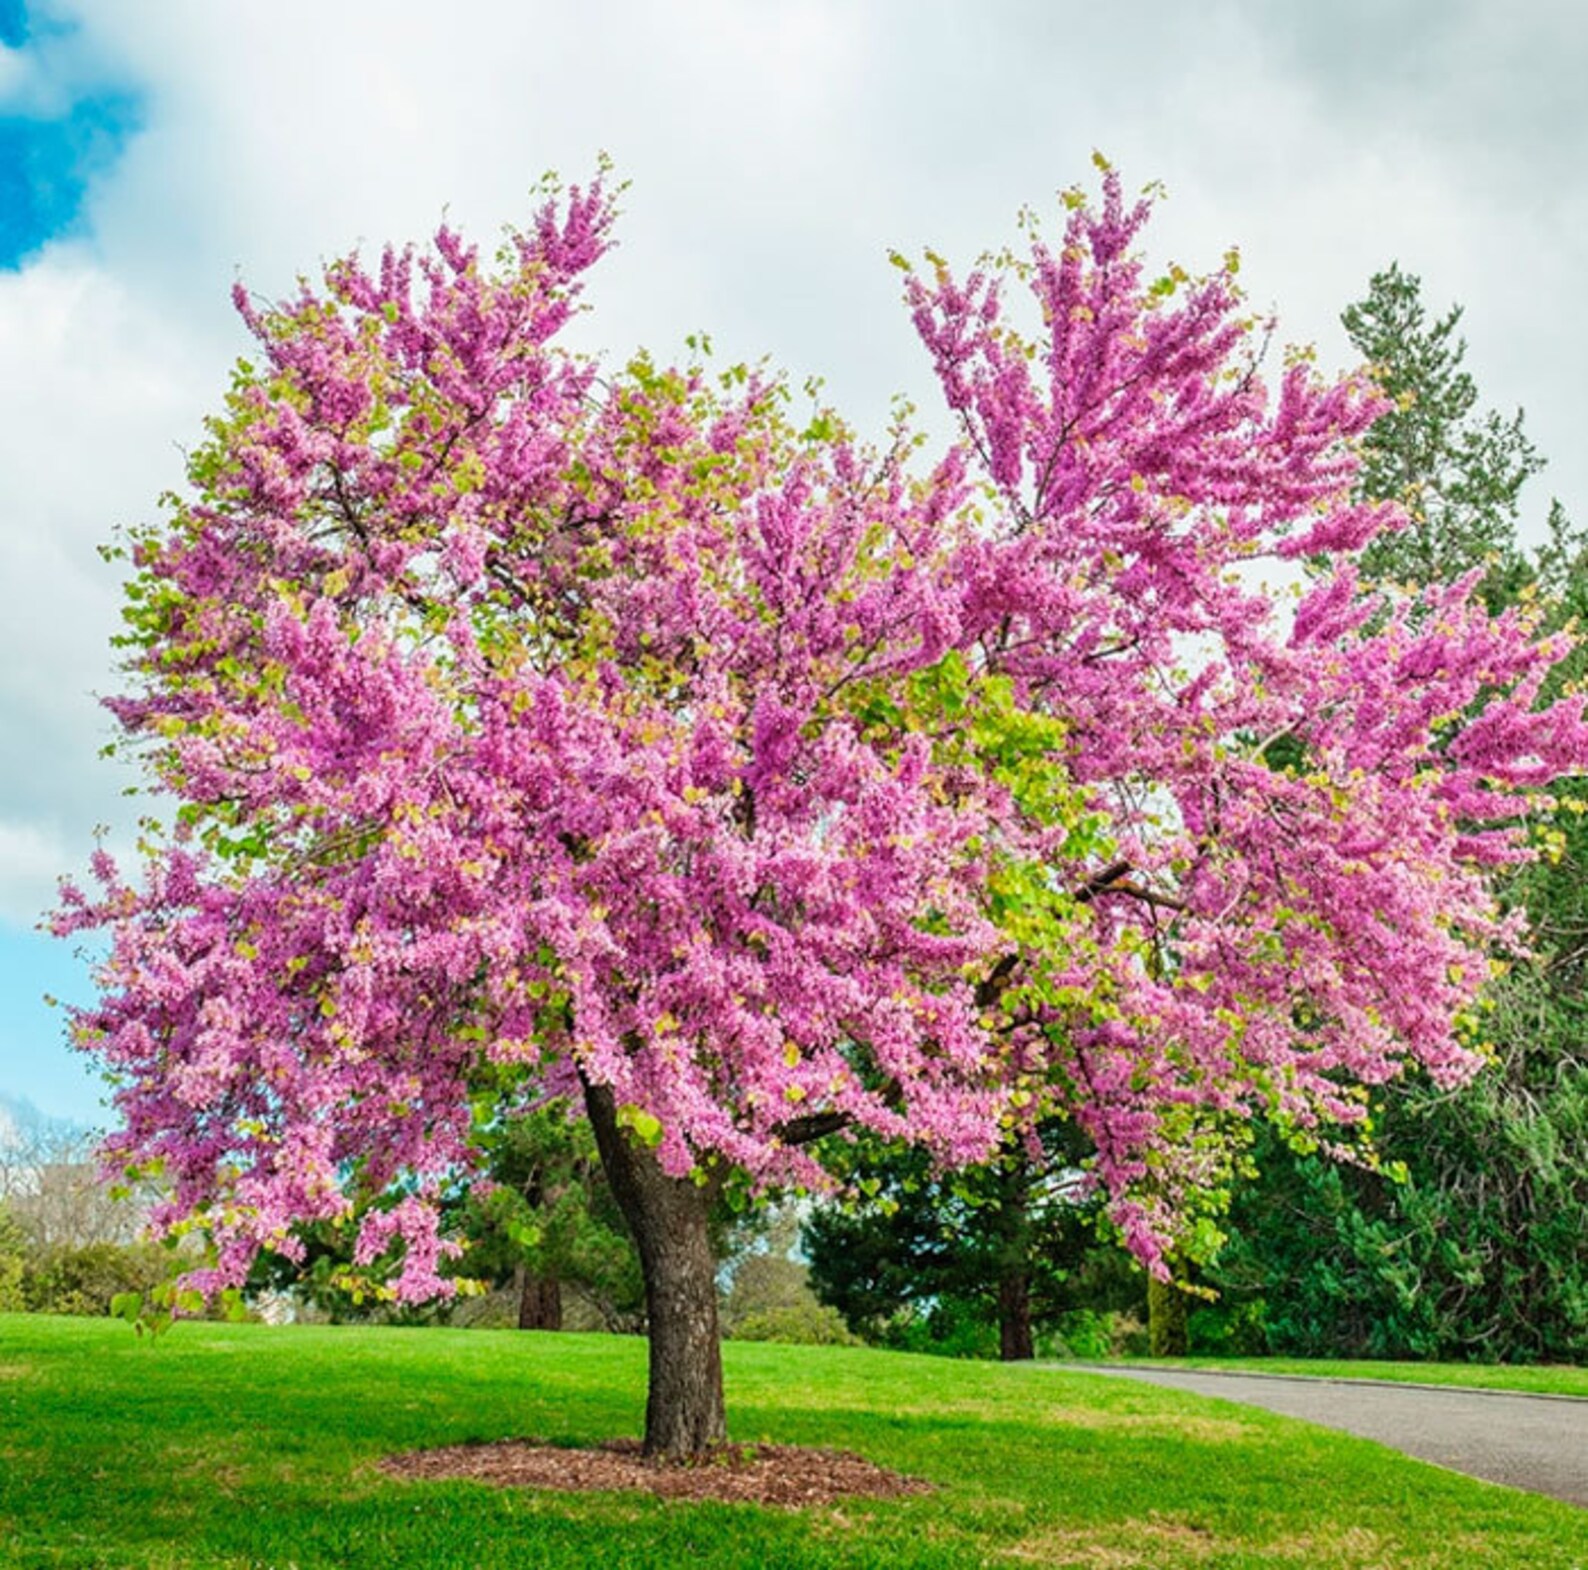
(775, 153)
(31, 859)
(14, 77)
(101, 386)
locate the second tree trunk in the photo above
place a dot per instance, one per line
(539, 1301)
(1015, 1342)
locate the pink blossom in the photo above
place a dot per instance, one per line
(617, 733)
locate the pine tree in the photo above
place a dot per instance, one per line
(1458, 470)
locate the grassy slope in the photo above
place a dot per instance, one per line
(231, 1446)
(1550, 1379)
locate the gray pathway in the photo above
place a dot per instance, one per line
(1534, 1442)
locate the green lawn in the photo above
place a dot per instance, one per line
(244, 1445)
(1551, 1379)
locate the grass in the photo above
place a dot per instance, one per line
(1547, 1379)
(231, 1446)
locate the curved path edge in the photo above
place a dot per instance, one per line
(1534, 1442)
(1318, 1379)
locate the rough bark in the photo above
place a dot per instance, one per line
(539, 1301)
(1015, 1342)
(684, 1409)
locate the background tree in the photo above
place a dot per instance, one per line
(986, 1256)
(1478, 1252)
(1458, 470)
(69, 1241)
(545, 1221)
(52, 1185)
(769, 1295)
(654, 747)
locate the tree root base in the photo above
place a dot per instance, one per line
(789, 1476)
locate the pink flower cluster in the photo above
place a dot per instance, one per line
(537, 728)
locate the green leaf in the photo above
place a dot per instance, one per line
(525, 1233)
(646, 1127)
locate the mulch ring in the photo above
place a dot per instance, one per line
(786, 1475)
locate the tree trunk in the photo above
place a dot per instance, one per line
(1013, 1223)
(1014, 1317)
(539, 1301)
(684, 1408)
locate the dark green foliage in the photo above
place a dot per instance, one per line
(1480, 1253)
(978, 1263)
(1458, 471)
(548, 1218)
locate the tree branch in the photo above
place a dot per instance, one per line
(1089, 890)
(817, 1125)
(1167, 901)
(990, 988)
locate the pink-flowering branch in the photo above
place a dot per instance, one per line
(619, 739)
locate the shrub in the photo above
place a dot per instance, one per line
(804, 1324)
(65, 1280)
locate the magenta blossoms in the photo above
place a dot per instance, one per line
(629, 737)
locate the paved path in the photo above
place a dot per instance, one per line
(1534, 1442)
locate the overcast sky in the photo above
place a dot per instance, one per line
(150, 153)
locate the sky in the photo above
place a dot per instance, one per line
(151, 154)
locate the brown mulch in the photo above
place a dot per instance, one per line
(786, 1475)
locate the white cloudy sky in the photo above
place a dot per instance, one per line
(776, 150)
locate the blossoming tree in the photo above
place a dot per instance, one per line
(541, 733)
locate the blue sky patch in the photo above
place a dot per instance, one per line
(35, 1063)
(13, 23)
(45, 166)
(46, 163)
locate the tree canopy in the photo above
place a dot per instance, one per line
(630, 733)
